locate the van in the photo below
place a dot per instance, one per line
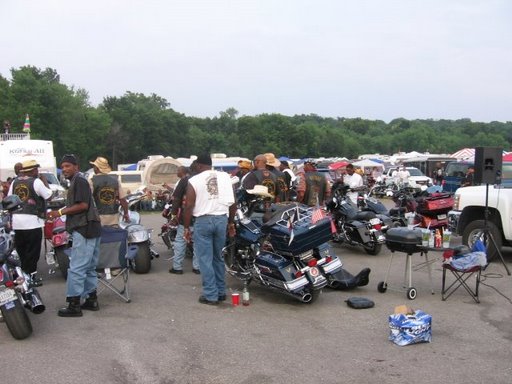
(129, 181)
(454, 174)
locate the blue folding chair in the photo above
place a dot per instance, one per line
(114, 262)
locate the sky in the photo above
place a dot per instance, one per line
(373, 59)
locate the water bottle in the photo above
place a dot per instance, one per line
(50, 258)
(245, 297)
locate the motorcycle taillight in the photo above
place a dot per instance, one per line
(312, 263)
(58, 240)
(9, 284)
(1, 275)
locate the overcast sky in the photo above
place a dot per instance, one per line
(375, 59)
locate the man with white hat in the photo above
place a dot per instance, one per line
(107, 193)
(28, 223)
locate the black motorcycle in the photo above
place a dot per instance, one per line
(16, 287)
(353, 226)
(282, 247)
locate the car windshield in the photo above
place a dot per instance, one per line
(415, 172)
(52, 179)
(457, 169)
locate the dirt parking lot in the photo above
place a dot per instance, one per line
(165, 336)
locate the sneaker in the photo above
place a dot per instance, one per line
(204, 300)
(176, 271)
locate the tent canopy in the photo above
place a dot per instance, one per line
(464, 154)
(367, 163)
(338, 165)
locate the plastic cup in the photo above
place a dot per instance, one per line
(235, 299)
(425, 237)
(446, 238)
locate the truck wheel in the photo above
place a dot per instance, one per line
(474, 231)
(17, 320)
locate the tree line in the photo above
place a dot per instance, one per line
(133, 126)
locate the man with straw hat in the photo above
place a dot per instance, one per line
(33, 191)
(107, 193)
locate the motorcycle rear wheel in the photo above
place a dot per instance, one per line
(373, 249)
(63, 260)
(142, 262)
(17, 321)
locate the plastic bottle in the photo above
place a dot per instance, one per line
(50, 258)
(245, 297)
(438, 239)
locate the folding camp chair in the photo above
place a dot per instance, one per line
(114, 262)
(461, 277)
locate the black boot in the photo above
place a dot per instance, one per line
(91, 302)
(73, 309)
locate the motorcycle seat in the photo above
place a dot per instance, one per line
(364, 215)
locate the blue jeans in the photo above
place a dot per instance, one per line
(209, 239)
(180, 250)
(82, 276)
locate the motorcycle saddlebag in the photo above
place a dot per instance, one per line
(276, 266)
(441, 203)
(402, 239)
(305, 235)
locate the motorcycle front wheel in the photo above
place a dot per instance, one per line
(63, 261)
(17, 321)
(372, 248)
(142, 262)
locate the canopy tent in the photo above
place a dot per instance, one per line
(367, 163)
(464, 154)
(507, 157)
(337, 165)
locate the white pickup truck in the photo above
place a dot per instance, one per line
(468, 215)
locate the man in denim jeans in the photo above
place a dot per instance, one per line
(210, 199)
(83, 223)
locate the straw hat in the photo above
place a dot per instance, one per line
(260, 190)
(271, 160)
(102, 164)
(29, 165)
(245, 164)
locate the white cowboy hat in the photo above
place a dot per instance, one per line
(260, 190)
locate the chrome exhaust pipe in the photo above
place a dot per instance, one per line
(306, 298)
(35, 303)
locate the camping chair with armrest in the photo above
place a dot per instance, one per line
(114, 262)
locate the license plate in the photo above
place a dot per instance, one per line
(441, 217)
(7, 295)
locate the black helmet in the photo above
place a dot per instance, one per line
(11, 203)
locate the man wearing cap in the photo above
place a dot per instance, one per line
(313, 187)
(260, 175)
(211, 201)
(33, 191)
(83, 223)
(107, 193)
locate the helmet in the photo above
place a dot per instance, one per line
(11, 203)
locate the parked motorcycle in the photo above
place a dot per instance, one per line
(60, 242)
(138, 235)
(282, 249)
(16, 289)
(367, 203)
(354, 227)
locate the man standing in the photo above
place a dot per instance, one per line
(178, 205)
(273, 164)
(33, 191)
(107, 193)
(469, 179)
(313, 188)
(353, 180)
(83, 223)
(260, 175)
(211, 201)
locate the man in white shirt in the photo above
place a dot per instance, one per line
(210, 199)
(403, 175)
(353, 180)
(28, 223)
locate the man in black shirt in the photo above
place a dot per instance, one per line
(83, 223)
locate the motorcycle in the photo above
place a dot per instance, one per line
(16, 288)
(138, 236)
(169, 230)
(60, 242)
(354, 227)
(283, 249)
(367, 203)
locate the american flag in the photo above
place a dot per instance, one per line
(317, 215)
(290, 227)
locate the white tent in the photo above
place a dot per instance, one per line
(464, 154)
(367, 163)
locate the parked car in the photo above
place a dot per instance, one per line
(416, 180)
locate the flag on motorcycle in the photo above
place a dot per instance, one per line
(317, 215)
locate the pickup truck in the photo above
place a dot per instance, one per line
(468, 215)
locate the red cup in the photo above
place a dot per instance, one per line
(235, 299)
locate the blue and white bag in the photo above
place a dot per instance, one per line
(410, 329)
